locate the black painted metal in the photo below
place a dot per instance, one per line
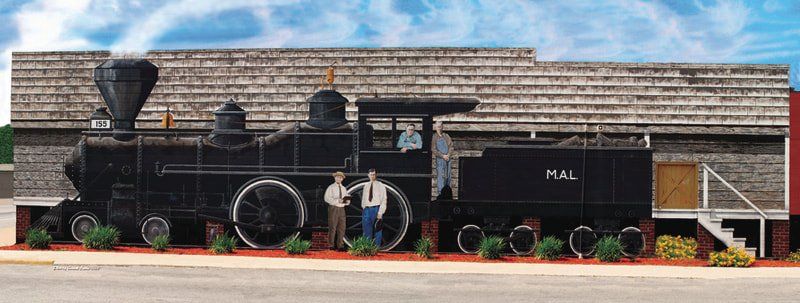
(125, 85)
(188, 177)
(326, 109)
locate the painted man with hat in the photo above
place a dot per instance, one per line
(337, 199)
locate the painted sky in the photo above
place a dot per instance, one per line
(726, 31)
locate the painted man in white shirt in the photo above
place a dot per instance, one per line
(337, 199)
(373, 201)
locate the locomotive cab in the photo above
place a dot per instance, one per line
(382, 120)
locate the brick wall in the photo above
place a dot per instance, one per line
(430, 229)
(705, 242)
(23, 222)
(319, 239)
(212, 230)
(648, 228)
(780, 239)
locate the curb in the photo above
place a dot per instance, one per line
(26, 262)
(406, 267)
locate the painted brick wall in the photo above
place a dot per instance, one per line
(23, 222)
(705, 242)
(780, 239)
(648, 228)
(214, 229)
(430, 229)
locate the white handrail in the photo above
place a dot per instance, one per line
(753, 206)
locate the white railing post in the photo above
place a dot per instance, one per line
(705, 188)
(762, 231)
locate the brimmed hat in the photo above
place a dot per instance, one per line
(338, 173)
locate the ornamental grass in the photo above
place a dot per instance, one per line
(491, 247)
(102, 237)
(608, 249)
(363, 247)
(549, 248)
(675, 247)
(223, 244)
(38, 238)
(296, 246)
(424, 248)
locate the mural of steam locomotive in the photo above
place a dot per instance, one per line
(269, 186)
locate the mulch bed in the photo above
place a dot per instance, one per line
(399, 256)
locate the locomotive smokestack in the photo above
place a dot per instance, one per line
(125, 85)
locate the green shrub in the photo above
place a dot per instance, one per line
(675, 247)
(608, 249)
(491, 247)
(160, 243)
(363, 247)
(794, 257)
(549, 248)
(38, 238)
(223, 244)
(102, 237)
(296, 246)
(6, 145)
(731, 257)
(423, 247)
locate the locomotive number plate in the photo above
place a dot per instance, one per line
(101, 124)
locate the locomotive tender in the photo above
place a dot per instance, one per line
(268, 186)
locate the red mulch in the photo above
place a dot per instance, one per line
(400, 256)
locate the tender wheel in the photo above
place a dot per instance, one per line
(395, 219)
(582, 241)
(523, 240)
(153, 227)
(469, 238)
(81, 226)
(632, 240)
(268, 202)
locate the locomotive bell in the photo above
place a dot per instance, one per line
(125, 85)
(326, 109)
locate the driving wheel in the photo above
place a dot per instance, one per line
(395, 220)
(269, 202)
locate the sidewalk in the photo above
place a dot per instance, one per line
(136, 259)
(8, 220)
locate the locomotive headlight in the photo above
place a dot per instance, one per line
(100, 119)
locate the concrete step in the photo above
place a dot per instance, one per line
(727, 229)
(751, 251)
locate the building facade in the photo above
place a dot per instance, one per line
(721, 128)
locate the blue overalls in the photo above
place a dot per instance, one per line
(442, 166)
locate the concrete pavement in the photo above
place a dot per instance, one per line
(8, 221)
(22, 283)
(409, 267)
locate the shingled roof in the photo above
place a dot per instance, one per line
(517, 92)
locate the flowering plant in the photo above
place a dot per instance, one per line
(731, 257)
(675, 247)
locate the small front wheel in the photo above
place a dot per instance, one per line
(469, 238)
(522, 240)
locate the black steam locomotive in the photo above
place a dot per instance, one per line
(268, 186)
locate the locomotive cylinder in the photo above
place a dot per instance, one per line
(125, 85)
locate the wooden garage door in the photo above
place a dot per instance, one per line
(676, 185)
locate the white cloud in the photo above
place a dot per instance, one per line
(614, 30)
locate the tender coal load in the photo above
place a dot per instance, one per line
(326, 109)
(125, 85)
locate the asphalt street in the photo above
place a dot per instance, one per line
(45, 283)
